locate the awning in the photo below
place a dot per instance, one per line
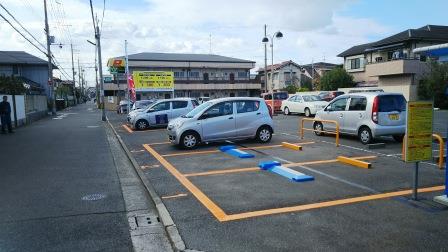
(435, 50)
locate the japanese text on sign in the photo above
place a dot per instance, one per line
(153, 80)
(419, 131)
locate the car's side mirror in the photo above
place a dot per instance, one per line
(203, 116)
(329, 108)
(150, 110)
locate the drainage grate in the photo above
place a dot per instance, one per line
(147, 220)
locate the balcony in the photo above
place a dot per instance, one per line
(396, 67)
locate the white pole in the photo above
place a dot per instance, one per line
(128, 96)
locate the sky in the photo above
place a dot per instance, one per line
(313, 30)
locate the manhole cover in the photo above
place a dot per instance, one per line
(147, 220)
(93, 197)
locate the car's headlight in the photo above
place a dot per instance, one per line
(178, 124)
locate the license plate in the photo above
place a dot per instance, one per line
(394, 117)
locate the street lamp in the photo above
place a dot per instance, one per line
(277, 35)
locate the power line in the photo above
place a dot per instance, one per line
(38, 48)
(17, 21)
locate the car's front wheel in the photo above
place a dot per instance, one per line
(365, 135)
(318, 128)
(141, 124)
(189, 140)
(286, 111)
(264, 134)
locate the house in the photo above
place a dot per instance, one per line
(316, 70)
(391, 63)
(195, 75)
(31, 69)
(281, 75)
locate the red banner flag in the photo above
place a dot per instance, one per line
(131, 87)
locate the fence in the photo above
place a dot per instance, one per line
(28, 108)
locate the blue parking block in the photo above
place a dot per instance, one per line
(232, 150)
(275, 167)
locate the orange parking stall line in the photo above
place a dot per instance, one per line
(325, 204)
(161, 143)
(208, 203)
(252, 169)
(127, 128)
(216, 151)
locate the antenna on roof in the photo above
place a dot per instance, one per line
(210, 40)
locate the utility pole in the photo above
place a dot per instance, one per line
(265, 61)
(73, 72)
(126, 70)
(100, 62)
(79, 80)
(50, 65)
(97, 92)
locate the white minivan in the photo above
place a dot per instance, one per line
(367, 115)
(161, 112)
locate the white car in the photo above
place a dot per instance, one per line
(223, 119)
(161, 112)
(307, 104)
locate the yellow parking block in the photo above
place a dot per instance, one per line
(291, 146)
(354, 162)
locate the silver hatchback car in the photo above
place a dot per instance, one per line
(367, 115)
(223, 119)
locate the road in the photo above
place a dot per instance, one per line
(63, 189)
(222, 203)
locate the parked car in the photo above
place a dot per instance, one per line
(367, 115)
(122, 107)
(223, 119)
(278, 98)
(161, 112)
(330, 95)
(365, 90)
(307, 104)
(142, 104)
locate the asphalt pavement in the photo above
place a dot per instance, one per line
(222, 203)
(61, 188)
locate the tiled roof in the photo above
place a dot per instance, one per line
(20, 58)
(437, 33)
(151, 56)
(278, 66)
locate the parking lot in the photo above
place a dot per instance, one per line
(220, 202)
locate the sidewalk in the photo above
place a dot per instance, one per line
(60, 189)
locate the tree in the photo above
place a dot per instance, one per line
(307, 83)
(336, 78)
(434, 85)
(291, 89)
(11, 85)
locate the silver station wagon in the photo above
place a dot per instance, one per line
(223, 119)
(367, 115)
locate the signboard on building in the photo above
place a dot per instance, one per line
(153, 80)
(419, 131)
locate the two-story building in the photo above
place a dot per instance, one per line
(195, 75)
(280, 75)
(32, 70)
(390, 63)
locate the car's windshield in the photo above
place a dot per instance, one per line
(198, 109)
(311, 98)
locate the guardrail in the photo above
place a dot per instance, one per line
(302, 128)
(441, 149)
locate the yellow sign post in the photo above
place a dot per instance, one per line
(153, 81)
(418, 141)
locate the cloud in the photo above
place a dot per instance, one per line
(311, 29)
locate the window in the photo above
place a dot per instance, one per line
(15, 70)
(193, 74)
(161, 106)
(355, 63)
(299, 99)
(357, 104)
(389, 103)
(180, 104)
(247, 106)
(220, 109)
(292, 98)
(232, 78)
(267, 97)
(242, 75)
(179, 75)
(339, 105)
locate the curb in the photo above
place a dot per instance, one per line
(171, 229)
